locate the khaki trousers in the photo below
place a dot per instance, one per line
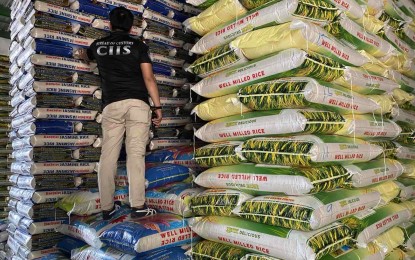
(132, 117)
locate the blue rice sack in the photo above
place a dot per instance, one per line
(88, 229)
(134, 8)
(87, 6)
(105, 253)
(68, 244)
(160, 231)
(158, 175)
(64, 13)
(178, 155)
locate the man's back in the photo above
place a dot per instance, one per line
(119, 57)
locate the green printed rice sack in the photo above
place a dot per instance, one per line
(309, 212)
(349, 31)
(394, 150)
(409, 234)
(407, 7)
(407, 186)
(405, 82)
(350, 7)
(218, 13)
(213, 250)
(263, 179)
(291, 62)
(265, 41)
(271, 13)
(407, 34)
(403, 116)
(286, 122)
(388, 34)
(219, 107)
(397, 254)
(309, 150)
(408, 169)
(371, 252)
(322, 8)
(270, 123)
(217, 202)
(273, 241)
(302, 92)
(368, 225)
(363, 82)
(373, 172)
(224, 153)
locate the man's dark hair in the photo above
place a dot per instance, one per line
(121, 19)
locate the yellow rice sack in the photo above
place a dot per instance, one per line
(259, 43)
(390, 239)
(375, 66)
(388, 190)
(405, 82)
(220, 12)
(219, 107)
(385, 103)
(397, 254)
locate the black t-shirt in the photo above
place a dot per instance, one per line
(119, 57)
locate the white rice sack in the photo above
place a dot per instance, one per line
(63, 12)
(105, 25)
(273, 241)
(62, 63)
(61, 37)
(368, 225)
(175, 121)
(369, 173)
(407, 6)
(349, 31)
(172, 198)
(171, 101)
(157, 37)
(167, 60)
(60, 140)
(265, 179)
(39, 196)
(170, 81)
(30, 168)
(65, 114)
(303, 92)
(309, 150)
(219, 107)
(389, 35)
(220, 12)
(307, 212)
(44, 227)
(292, 62)
(154, 16)
(363, 82)
(162, 143)
(407, 186)
(404, 116)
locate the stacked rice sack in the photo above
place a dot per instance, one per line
(55, 100)
(56, 115)
(5, 151)
(310, 126)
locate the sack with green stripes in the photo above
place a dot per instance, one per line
(368, 225)
(272, 13)
(309, 150)
(349, 31)
(303, 92)
(217, 202)
(213, 250)
(219, 154)
(373, 172)
(405, 82)
(291, 62)
(265, 179)
(407, 186)
(268, 40)
(364, 82)
(172, 198)
(273, 241)
(270, 123)
(409, 234)
(394, 150)
(308, 212)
